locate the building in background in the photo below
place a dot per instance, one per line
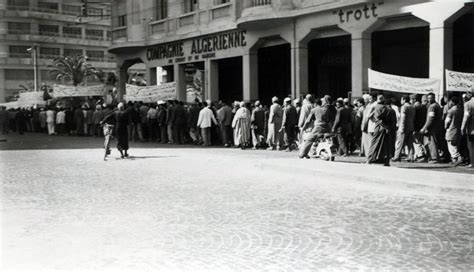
(255, 49)
(58, 30)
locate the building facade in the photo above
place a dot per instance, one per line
(255, 49)
(56, 30)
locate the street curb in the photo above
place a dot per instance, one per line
(453, 184)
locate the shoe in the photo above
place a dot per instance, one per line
(433, 162)
(304, 157)
(126, 155)
(396, 160)
(470, 166)
(271, 148)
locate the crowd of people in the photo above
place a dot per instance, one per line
(419, 130)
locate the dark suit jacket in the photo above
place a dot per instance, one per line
(343, 120)
(179, 116)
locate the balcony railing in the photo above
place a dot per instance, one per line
(158, 26)
(119, 33)
(187, 19)
(20, 55)
(256, 3)
(58, 35)
(221, 11)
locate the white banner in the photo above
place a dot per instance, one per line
(151, 94)
(10, 105)
(459, 82)
(30, 99)
(71, 91)
(401, 84)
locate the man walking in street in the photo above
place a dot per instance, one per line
(405, 130)
(452, 124)
(467, 126)
(419, 121)
(432, 130)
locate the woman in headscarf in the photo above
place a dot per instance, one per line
(241, 125)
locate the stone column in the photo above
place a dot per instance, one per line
(122, 82)
(361, 61)
(2, 85)
(179, 78)
(212, 80)
(299, 71)
(250, 76)
(151, 75)
(440, 15)
(441, 54)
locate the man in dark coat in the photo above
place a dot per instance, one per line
(79, 121)
(343, 127)
(179, 122)
(120, 118)
(257, 123)
(433, 130)
(289, 124)
(224, 117)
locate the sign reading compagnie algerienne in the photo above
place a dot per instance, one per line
(206, 46)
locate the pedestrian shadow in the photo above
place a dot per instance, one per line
(149, 157)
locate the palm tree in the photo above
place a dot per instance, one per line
(74, 69)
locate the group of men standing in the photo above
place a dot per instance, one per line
(421, 129)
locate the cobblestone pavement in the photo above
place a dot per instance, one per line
(187, 209)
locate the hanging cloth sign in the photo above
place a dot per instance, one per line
(402, 84)
(459, 82)
(71, 91)
(31, 99)
(151, 94)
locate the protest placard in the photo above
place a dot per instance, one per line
(402, 84)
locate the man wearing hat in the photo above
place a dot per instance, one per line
(289, 123)
(467, 126)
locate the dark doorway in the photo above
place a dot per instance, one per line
(274, 73)
(329, 66)
(230, 79)
(403, 52)
(463, 43)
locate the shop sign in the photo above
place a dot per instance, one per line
(459, 82)
(356, 14)
(197, 48)
(402, 84)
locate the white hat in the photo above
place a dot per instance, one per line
(287, 99)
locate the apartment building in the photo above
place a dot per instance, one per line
(255, 49)
(58, 29)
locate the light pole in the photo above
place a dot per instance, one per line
(34, 50)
